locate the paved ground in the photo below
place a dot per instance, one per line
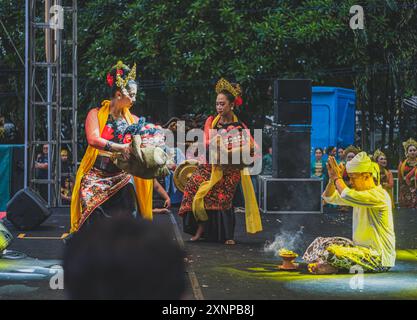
(243, 271)
(246, 271)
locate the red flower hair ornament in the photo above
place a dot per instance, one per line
(110, 80)
(238, 101)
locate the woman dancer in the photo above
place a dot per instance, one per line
(386, 176)
(206, 207)
(101, 189)
(407, 173)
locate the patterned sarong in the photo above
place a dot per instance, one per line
(97, 187)
(341, 253)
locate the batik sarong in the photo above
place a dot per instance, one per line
(97, 187)
(342, 254)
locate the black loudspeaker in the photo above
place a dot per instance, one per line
(18, 170)
(292, 102)
(27, 210)
(284, 195)
(293, 90)
(292, 126)
(288, 113)
(291, 152)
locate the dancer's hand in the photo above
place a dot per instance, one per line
(172, 166)
(167, 203)
(126, 150)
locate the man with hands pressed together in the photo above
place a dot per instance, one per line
(373, 245)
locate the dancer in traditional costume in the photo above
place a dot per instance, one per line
(407, 176)
(373, 245)
(340, 155)
(206, 207)
(386, 176)
(101, 189)
(318, 165)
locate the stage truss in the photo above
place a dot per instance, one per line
(50, 92)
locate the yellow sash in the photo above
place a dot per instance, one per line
(252, 216)
(144, 187)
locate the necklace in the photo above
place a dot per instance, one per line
(412, 162)
(225, 121)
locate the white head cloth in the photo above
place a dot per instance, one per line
(362, 163)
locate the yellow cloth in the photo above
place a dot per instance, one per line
(144, 188)
(252, 216)
(401, 173)
(373, 225)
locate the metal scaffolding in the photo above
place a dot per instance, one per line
(50, 94)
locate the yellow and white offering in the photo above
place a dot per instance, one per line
(287, 253)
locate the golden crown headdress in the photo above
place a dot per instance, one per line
(410, 142)
(378, 153)
(223, 84)
(350, 149)
(122, 74)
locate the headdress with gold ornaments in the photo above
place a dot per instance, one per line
(378, 153)
(350, 149)
(120, 75)
(407, 144)
(236, 91)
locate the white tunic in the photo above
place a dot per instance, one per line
(373, 225)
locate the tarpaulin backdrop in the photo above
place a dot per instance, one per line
(6, 152)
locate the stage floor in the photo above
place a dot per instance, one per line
(217, 271)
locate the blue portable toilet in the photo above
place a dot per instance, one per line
(333, 117)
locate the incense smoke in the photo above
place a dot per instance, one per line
(288, 240)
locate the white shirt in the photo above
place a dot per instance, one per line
(373, 225)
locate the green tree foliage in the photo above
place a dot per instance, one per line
(12, 26)
(183, 46)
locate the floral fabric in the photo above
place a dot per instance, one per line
(97, 187)
(407, 196)
(220, 197)
(341, 253)
(114, 130)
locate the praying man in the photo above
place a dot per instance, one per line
(373, 245)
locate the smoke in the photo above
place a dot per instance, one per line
(285, 239)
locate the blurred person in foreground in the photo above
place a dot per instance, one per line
(124, 259)
(373, 245)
